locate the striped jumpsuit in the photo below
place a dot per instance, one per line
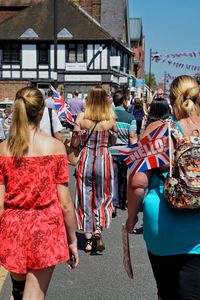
(94, 183)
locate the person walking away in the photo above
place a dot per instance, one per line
(49, 101)
(75, 104)
(159, 110)
(51, 124)
(94, 170)
(172, 235)
(6, 121)
(126, 126)
(138, 112)
(37, 223)
(2, 135)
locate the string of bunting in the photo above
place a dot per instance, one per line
(164, 58)
(180, 65)
(169, 77)
(183, 54)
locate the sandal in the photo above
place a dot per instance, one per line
(88, 245)
(100, 246)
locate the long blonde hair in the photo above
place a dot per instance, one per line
(98, 106)
(28, 109)
(184, 92)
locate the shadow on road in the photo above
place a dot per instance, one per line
(81, 240)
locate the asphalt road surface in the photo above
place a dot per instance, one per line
(100, 276)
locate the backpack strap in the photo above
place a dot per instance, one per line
(159, 174)
(91, 132)
(177, 124)
(176, 130)
(51, 122)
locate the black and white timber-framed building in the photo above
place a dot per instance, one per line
(86, 53)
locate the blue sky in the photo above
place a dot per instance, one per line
(171, 26)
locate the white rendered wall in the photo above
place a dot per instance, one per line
(90, 55)
(104, 59)
(29, 57)
(60, 57)
(97, 59)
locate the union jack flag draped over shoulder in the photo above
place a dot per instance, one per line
(150, 152)
(61, 107)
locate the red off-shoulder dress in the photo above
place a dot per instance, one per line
(32, 230)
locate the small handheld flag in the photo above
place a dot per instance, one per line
(61, 107)
(150, 152)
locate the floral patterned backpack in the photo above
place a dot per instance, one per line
(182, 186)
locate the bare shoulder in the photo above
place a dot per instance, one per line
(58, 147)
(50, 145)
(4, 149)
(80, 117)
(107, 124)
(152, 126)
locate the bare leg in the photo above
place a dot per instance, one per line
(88, 245)
(18, 277)
(37, 282)
(100, 246)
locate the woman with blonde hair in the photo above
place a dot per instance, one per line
(172, 236)
(37, 223)
(94, 171)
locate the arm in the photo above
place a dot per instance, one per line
(76, 135)
(58, 136)
(2, 197)
(137, 186)
(132, 137)
(132, 132)
(136, 189)
(57, 126)
(113, 135)
(69, 219)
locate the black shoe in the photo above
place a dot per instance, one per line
(123, 207)
(114, 213)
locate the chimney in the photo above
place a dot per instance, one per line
(93, 7)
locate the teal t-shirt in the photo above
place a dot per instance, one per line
(168, 231)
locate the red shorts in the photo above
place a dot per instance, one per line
(32, 239)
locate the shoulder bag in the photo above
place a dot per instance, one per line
(73, 152)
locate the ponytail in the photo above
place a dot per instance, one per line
(18, 139)
(28, 108)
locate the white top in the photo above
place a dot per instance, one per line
(49, 102)
(2, 135)
(45, 122)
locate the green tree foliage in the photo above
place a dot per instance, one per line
(154, 84)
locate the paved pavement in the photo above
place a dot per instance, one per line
(100, 276)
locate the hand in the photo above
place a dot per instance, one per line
(130, 224)
(1, 211)
(74, 260)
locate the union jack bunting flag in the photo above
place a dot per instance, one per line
(61, 107)
(150, 152)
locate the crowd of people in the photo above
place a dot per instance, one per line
(38, 204)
